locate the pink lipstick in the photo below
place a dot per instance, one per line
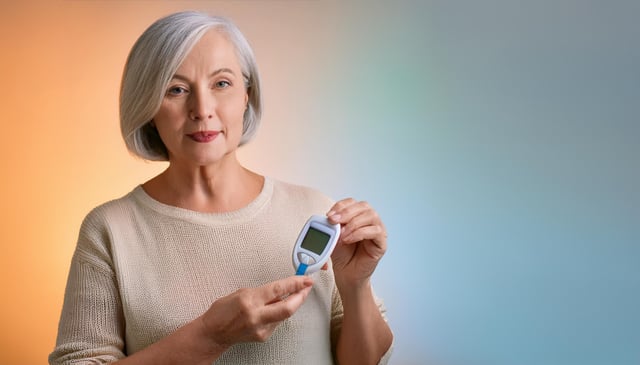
(203, 137)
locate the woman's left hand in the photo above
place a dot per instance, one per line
(362, 243)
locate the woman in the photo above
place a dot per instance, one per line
(194, 266)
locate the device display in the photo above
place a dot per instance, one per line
(315, 241)
(314, 245)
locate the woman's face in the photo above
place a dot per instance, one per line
(200, 119)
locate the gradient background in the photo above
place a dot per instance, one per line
(497, 139)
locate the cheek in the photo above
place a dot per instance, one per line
(234, 115)
(238, 104)
(166, 122)
(171, 113)
(235, 126)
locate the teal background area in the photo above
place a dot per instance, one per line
(499, 142)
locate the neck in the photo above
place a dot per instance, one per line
(223, 187)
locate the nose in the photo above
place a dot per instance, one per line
(202, 105)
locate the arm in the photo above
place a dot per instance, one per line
(365, 336)
(187, 345)
(87, 333)
(92, 322)
(244, 316)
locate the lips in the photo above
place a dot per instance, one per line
(203, 137)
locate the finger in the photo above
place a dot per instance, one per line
(334, 214)
(283, 309)
(363, 218)
(372, 234)
(325, 266)
(275, 291)
(349, 209)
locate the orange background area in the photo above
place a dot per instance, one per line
(61, 149)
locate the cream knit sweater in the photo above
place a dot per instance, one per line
(142, 269)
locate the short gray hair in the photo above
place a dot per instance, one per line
(151, 65)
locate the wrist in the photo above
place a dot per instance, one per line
(355, 292)
(208, 341)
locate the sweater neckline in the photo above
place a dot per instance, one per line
(233, 217)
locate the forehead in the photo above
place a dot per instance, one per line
(212, 51)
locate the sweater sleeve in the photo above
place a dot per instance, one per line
(91, 328)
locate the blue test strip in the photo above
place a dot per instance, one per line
(301, 269)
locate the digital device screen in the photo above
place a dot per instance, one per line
(315, 241)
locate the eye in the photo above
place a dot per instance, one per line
(222, 84)
(176, 91)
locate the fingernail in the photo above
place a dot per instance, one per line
(331, 212)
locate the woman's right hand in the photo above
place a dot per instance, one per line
(247, 315)
(250, 315)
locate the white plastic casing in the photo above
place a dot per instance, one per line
(314, 260)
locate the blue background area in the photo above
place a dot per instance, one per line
(499, 141)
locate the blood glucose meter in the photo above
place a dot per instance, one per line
(315, 244)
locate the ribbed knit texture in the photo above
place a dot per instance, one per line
(142, 269)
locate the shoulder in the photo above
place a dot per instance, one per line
(98, 225)
(112, 210)
(299, 194)
(94, 243)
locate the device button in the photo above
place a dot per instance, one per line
(306, 259)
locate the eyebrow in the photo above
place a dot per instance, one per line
(214, 73)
